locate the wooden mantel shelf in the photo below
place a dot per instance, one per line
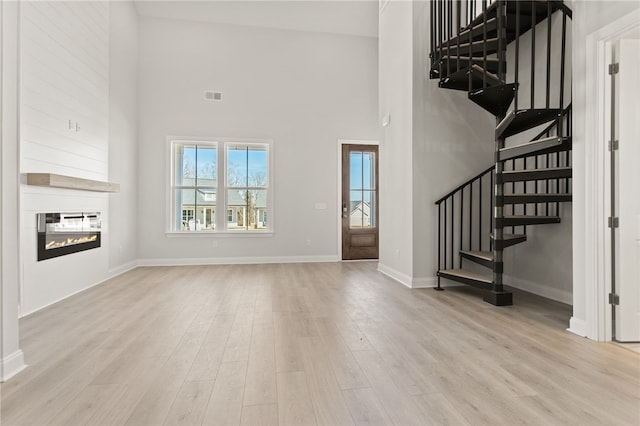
(69, 182)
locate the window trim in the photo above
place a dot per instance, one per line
(220, 229)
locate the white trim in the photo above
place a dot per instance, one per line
(578, 326)
(425, 282)
(219, 234)
(237, 260)
(119, 270)
(411, 282)
(339, 191)
(597, 322)
(12, 365)
(395, 274)
(552, 293)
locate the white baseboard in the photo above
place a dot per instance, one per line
(12, 365)
(119, 270)
(578, 326)
(395, 274)
(539, 289)
(237, 260)
(406, 280)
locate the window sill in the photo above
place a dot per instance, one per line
(218, 234)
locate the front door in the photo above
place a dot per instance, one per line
(359, 202)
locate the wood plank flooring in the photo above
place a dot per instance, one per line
(310, 344)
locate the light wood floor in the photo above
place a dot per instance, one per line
(305, 344)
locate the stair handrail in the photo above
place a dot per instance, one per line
(459, 187)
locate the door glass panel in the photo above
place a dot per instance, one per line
(369, 208)
(355, 210)
(368, 170)
(362, 184)
(355, 172)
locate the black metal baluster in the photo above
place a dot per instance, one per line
(439, 241)
(491, 208)
(458, 6)
(461, 220)
(517, 53)
(452, 231)
(470, 216)
(548, 94)
(445, 234)
(533, 53)
(484, 44)
(480, 214)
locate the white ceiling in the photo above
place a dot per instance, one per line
(359, 17)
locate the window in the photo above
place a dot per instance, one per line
(247, 183)
(241, 188)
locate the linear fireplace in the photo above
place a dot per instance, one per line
(65, 233)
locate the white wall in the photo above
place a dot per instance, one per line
(11, 357)
(123, 136)
(396, 179)
(588, 18)
(302, 90)
(64, 76)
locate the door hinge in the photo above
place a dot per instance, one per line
(614, 299)
(614, 145)
(613, 222)
(614, 68)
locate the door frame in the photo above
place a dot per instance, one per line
(338, 211)
(597, 240)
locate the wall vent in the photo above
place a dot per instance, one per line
(210, 95)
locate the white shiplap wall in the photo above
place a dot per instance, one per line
(64, 80)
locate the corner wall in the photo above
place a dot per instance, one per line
(123, 136)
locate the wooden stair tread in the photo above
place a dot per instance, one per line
(467, 274)
(466, 277)
(485, 255)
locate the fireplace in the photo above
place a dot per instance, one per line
(60, 234)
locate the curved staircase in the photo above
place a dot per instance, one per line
(530, 98)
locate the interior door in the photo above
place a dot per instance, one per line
(628, 234)
(359, 202)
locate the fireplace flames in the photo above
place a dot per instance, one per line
(69, 241)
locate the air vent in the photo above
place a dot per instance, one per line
(210, 95)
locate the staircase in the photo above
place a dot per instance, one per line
(529, 95)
